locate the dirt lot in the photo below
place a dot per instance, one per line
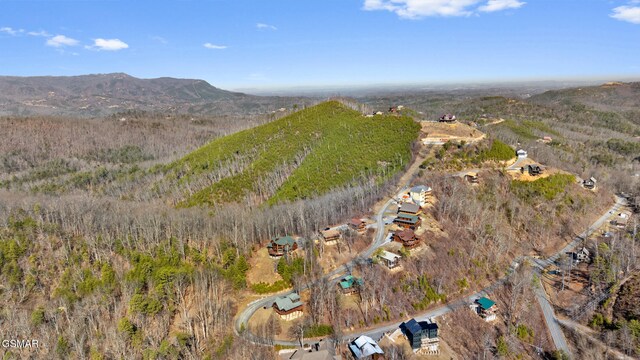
(435, 131)
(262, 268)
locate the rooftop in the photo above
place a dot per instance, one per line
(288, 302)
(364, 346)
(349, 281)
(485, 303)
(389, 256)
(284, 240)
(409, 208)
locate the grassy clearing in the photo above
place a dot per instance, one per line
(299, 156)
(548, 188)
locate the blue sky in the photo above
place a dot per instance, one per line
(280, 43)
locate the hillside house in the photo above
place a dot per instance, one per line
(521, 154)
(419, 194)
(471, 177)
(407, 221)
(407, 238)
(620, 222)
(532, 169)
(590, 183)
(358, 225)
(365, 347)
(422, 336)
(393, 109)
(486, 308)
(289, 307)
(389, 259)
(330, 236)
(378, 113)
(582, 255)
(280, 246)
(350, 284)
(409, 208)
(322, 350)
(447, 118)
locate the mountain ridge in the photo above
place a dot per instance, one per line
(95, 95)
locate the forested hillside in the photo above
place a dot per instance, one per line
(299, 156)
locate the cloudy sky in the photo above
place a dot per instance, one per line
(281, 43)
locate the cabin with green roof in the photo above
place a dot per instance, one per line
(350, 284)
(289, 307)
(280, 246)
(407, 221)
(486, 308)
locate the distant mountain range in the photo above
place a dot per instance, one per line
(105, 94)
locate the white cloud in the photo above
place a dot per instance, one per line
(11, 31)
(499, 5)
(263, 26)
(627, 13)
(39, 33)
(61, 40)
(108, 45)
(415, 9)
(215, 47)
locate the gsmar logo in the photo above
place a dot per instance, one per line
(20, 343)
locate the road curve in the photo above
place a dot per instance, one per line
(242, 319)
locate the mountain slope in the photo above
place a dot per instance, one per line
(97, 95)
(299, 156)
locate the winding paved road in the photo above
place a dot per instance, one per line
(376, 333)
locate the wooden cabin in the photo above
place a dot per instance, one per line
(280, 246)
(407, 238)
(330, 236)
(358, 224)
(407, 221)
(289, 307)
(350, 284)
(409, 208)
(485, 308)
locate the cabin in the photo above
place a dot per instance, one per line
(583, 255)
(365, 347)
(280, 246)
(447, 118)
(389, 259)
(419, 194)
(521, 154)
(409, 208)
(407, 238)
(289, 307)
(422, 336)
(330, 236)
(590, 183)
(533, 170)
(620, 222)
(357, 225)
(486, 308)
(407, 221)
(322, 350)
(350, 284)
(378, 113)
